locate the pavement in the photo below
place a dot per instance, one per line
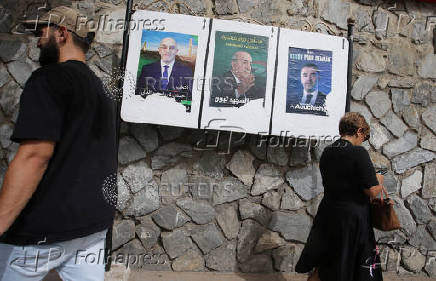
(119, 273)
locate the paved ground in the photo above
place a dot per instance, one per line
(239, 277)
(118, 273)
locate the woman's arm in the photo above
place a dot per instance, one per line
(373, 191)
(370, 181)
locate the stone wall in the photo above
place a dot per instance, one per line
(248, 208)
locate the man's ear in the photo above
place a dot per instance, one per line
(63, 34)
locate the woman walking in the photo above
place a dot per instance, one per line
(341, 244)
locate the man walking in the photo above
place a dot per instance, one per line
(52, 209)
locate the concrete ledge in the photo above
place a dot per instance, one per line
(119, 273)
(213, 276)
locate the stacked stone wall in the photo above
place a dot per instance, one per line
(243, 207)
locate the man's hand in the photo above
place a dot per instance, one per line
(21, 179)
(246, 82)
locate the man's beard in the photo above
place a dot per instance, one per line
(49, 52)
(310, 89)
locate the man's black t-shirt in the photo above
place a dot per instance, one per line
(65, 103)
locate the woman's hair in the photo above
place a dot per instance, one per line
(351, 122)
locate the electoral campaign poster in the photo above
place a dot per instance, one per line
(239, 72)
(239, 77)
(309, 81)
(167, 66)
(311, 84)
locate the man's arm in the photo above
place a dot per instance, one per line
(21, 179)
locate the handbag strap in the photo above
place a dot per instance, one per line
(383, 191)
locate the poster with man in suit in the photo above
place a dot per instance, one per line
(309, 81)
(166, 66)
(239, 71)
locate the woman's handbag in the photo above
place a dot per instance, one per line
(383, 214)
(314, 276)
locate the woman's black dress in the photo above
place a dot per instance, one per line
(341, 242)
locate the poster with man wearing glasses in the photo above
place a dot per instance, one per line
(166, 65)
(165, 70)
(239, 73)
(239, 77)
(309, 81)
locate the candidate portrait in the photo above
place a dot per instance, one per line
(308, 98)
(236, 86)
(165, 75)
